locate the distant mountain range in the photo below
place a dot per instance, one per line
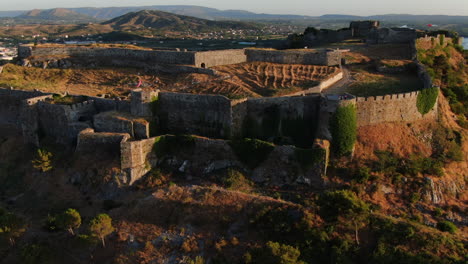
(106, 13)
(171, 22)
(55, 14)
(187, 10)
(91, 14)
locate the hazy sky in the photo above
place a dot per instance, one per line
(304, 7)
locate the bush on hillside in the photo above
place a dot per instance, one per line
(342, 203)
(43, 161)
(171, 145)
(274, 253)
(343, 127)
(251, 152)
(447, 226)
(236, 180)
(309, 157)
(427, 99)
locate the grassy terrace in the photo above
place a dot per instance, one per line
(367, 82)
(374, 84)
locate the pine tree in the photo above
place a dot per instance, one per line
(101, 226)
(69, 220)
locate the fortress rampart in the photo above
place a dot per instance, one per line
(62, 56)
(428, 42)
(128, 125)
(391, 108)
(329, 58)
(205, 115)
(158, 57)
(206, 59)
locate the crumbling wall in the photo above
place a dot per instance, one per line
(323, 36)
(136, 157)
(429, 42)
(121, 123)
(363, 28)
(142, 102)
(326, 58)
(205, 115)
(280, 167)
(29, 119)
(11, 104)
(105, 105)
(206, 59)
(391, 35)
(63, 123)
(91, 142)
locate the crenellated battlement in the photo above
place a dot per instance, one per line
(387, 97)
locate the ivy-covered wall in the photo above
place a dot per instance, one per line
(343, 127)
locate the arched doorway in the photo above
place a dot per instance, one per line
(203, 65)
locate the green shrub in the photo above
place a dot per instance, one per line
(171, 145)
(235, 180)
(441, 40)
(251, 152)
(43, 161)
(101, 226)
(438, 212)
(85, 241)
(197, 260)
(69, 220)
(309, 157)
(275, 253)
(362, 175)
(447, 226)
(35, 254)
(11, 226)
(154, 179)
(427, 99)
(386, 162)
(344, 203)
(343, 127)
(414, 198)
(447, 144)
(415, 165)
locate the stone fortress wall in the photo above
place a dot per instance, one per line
(329, 58)
(62, 56)
(400, 107)
(207, 59)
(129, 125)
(204, 115)
(433, 41)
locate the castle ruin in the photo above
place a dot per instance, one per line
(131, 127)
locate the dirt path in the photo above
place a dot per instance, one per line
(341, 86)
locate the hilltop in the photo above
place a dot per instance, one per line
(202, 179)
(60, 14)
(159, 20)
